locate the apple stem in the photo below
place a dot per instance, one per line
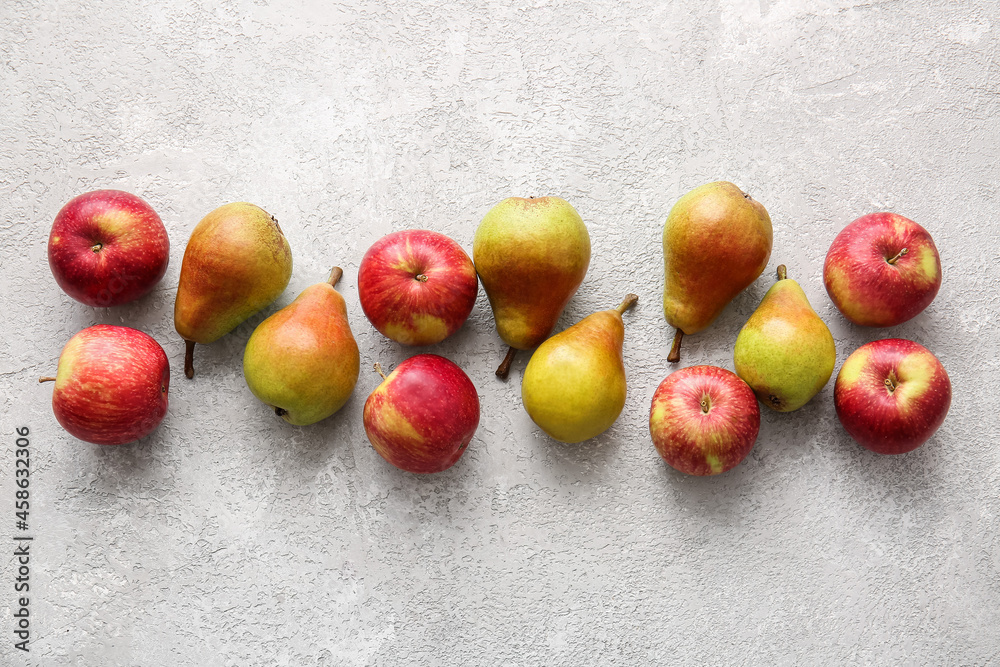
(189, 358)
(890, 382)
(782, 272)
(421, 277)
(504, 368)
(706, 405)
(898, 255)
(675, 350)
(336, 273)
(97, 247)
(630, 300)
(378, 369)
(46, 379)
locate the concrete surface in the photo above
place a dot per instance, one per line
(229, 538)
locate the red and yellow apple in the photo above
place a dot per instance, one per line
(111, 385)
(704, 420)
(423, 414)
(107, 248)
(882, 269)
(891, 395)
(417, 287)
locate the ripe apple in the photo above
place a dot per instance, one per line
(111, 385)
(892, 395)
(107, 248)
(423, 415)
(882, 269)
(704, 420)
(417, 287)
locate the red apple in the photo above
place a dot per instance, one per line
(107, 248)
(111, 385)
(892, 395)
(882, 269)
(704, 420)
(423, 415)
(417, 287)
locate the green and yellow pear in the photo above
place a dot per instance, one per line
(574, 384)
(716, 241)
(531, 256)
(785, 352)
(237, 261)
(303, 360)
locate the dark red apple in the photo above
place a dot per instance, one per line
(704, 420)
(111, 385)
(892, 395)
(423, 415)
(107, 248)
(417, 287)
(882, 269)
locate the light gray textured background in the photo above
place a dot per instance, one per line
(230, 538)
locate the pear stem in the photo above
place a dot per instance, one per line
(46, 379)
(504, 368)
(675, 351)
(378, 369)
(782, 272)
(898, 255)
(630, 300)
(336, 273)
(189, 358)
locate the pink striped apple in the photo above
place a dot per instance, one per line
(111, 385)
(423, 415)
(704, 420)
(891, 395)
(417, 287)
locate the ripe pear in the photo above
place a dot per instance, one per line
(785, 352)
(531, 256)
(303, 360)
(574, 384)
(716, 241)
(237, 261)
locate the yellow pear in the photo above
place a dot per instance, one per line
(574, 384)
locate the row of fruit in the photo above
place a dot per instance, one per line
(418, 287)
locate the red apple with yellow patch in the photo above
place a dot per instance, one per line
(882, 270)
(107, 248)
(417, 287)
(423, 415)
(704, 420)
(111, 385)
(891, 395)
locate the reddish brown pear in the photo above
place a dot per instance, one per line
(531, 256)
(716, 241)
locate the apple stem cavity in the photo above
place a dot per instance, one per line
(336, 273)
(629, 301)
(782, 272)
(898, 255)
(189, 358)
(46, 379)
(504, 368)
(675, 350)
(378, 369)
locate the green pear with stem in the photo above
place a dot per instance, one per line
(531, 256)
(303, 360)
(716, 241)
(237, 261)
(785, 352)
(574, 384)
